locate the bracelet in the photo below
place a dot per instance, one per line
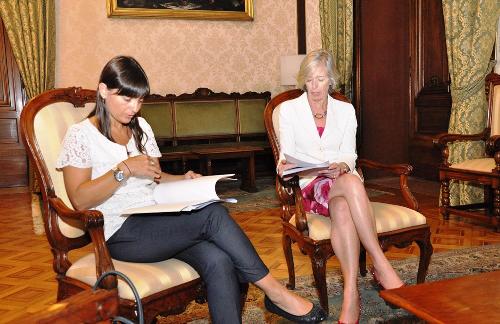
(130, 172)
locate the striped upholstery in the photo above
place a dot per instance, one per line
(481, 165)
(148, 278)
(388, 217)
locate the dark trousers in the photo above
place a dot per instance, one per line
(208, 239)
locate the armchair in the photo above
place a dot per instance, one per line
(396, 225)
(484, 170)
(164, 287)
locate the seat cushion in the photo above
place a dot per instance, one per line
(388, 218)
(148, 278)
(481, 165)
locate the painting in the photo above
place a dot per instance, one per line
(186, 9)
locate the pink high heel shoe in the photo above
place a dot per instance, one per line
(377, 281)
(381, 287)
(357, 322)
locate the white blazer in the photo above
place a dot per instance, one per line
(299, 136)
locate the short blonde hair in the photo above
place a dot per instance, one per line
(311, 61)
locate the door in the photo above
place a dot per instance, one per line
(13, 160)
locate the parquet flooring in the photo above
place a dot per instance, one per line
(27, 282)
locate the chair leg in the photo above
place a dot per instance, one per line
(496, 209)
(362, 262)
(445, 198)
(319, 271)
(287, 250)
(426, 251)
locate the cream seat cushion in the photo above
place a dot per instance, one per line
(481, 165)
(388, 217)
(148, 278)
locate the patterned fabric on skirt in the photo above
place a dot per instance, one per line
(315, 195)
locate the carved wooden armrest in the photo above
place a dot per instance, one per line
(402, 170)
(93, 221)
(290, 194)
(442, 141)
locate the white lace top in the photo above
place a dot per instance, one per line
(85, 147)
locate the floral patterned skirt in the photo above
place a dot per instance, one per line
(315, 195)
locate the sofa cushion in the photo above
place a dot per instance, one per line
(159, 116)
(251, 112)
(205, 118)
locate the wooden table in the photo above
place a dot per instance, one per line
(469, 299)
(245, 153)
(88, 306)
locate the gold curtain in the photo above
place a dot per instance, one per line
(30, 26)
(470, 27)
(336, 20)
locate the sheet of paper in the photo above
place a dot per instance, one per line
(184, 195)
(303, 166)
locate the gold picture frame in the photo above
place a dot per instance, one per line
(183, 9)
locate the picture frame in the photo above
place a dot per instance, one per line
(182, 9)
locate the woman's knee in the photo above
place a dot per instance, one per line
(349, 183)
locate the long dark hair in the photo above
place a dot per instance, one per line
(126, 75)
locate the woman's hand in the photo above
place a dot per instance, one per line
(191, 175)
(142, 166)
(283, 165)
(335, 170)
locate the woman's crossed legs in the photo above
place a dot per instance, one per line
(353, 222)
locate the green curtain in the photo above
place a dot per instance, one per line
(336, 20)
(30, 26)
(470, 27)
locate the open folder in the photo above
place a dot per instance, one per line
(184, 195)
(303, 167)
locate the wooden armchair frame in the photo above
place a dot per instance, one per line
(486, 172)
(172, 300)
(319, 251)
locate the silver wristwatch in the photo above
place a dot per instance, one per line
(118, 174)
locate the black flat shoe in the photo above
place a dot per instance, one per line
(315, 315)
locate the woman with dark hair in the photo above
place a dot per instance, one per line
(110, 163)
(316, 128)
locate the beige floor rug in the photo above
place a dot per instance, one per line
(443, 265)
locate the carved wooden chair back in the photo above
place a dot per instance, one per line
(164, 287)
(484, 170)
(396, 225)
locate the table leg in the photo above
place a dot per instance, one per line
(248, 177)
(206, 166)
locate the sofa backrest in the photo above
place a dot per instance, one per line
(205, 115)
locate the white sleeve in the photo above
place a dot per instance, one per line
(347, 152)
(75, 149)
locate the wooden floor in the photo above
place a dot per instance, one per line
(27, 283)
